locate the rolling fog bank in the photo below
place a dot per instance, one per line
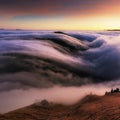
(60, 67)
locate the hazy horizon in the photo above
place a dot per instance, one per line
(60, 15)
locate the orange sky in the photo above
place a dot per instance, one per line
(60, 15)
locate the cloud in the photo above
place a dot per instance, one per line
(54, 7)
(35, 17)
(57, 59)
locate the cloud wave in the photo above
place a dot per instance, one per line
(42, 59)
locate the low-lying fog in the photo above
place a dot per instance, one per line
(59, 67)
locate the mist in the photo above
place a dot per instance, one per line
(58, 95)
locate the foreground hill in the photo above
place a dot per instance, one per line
(91, 107)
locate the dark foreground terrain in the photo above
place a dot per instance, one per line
(91, 107)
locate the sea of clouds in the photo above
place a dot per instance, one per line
(46, 64)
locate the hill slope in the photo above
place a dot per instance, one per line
(91, 107)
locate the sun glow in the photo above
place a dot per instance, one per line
(66, 23)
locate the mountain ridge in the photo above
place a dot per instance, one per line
(91, 107)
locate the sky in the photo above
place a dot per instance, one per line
(60, 14)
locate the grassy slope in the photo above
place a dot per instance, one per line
(92, 107)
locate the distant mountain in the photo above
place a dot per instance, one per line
(113, 30)
(91, 107)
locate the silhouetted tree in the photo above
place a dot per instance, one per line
(116, 90)
(106, 93)
(112, 90)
